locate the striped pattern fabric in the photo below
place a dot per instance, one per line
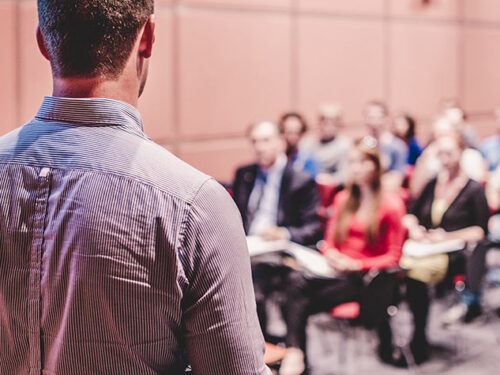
(115, 256)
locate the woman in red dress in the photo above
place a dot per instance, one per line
(364, 238)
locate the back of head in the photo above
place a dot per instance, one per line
(91, 38)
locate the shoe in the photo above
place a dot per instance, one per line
(461, 313)
(293, 362)
(393, 357)
(454, 315)
(474, 311)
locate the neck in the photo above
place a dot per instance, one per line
(121, 89)
(453, 173)
(291, 152)
(366, 192)
(280, 161)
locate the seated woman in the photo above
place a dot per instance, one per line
(364, 234)
(451, 206)
(404, 128)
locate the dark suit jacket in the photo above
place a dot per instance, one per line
(298, 202)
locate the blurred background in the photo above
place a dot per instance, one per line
(221, 64)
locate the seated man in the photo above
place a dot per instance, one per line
(394, 151)
(276, 202)
(490, 147)
(293, 126)
(328, 146)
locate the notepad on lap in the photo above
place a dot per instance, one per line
(422, 249)
(309, 260)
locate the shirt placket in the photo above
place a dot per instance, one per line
(34, 301)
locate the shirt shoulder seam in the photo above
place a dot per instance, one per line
(188, 200)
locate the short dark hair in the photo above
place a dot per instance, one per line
(410, 133)
(295, 115)
(91, 38)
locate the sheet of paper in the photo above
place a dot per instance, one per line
(312, 261)
(257, 246)
(422, 249)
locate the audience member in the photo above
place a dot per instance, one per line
(292, 127)
(276, 202)
(453, 112)
(493, 196)
(328, 146)
(428, 165)
(451, 206)
(393, 151)
(490, 147)
(364, 236)
(116, 256)
(404, 128)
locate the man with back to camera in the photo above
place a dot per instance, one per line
(115, 256)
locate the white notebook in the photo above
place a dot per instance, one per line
(422, 249)
(309, 260)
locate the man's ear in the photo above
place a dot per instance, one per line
(41, 43)
(147, 38)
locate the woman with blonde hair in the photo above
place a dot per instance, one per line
(451, 206)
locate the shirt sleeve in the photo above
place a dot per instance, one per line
(416, 206)
(400, 156)
(222, 332)
(392, 236)
(481, 210)
(306, 230)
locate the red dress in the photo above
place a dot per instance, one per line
(385, 253)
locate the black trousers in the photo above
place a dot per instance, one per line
(269, 277)
(475, 266)
(308, 296)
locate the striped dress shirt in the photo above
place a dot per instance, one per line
(115, 256)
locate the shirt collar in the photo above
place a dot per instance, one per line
(90, 112)
(278, 166)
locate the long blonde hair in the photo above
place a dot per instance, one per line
(368, 149)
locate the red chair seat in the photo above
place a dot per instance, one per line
(349, 310)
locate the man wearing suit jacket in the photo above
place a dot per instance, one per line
(276, 202)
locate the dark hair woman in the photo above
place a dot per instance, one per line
(364, 236)
(404, 128)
